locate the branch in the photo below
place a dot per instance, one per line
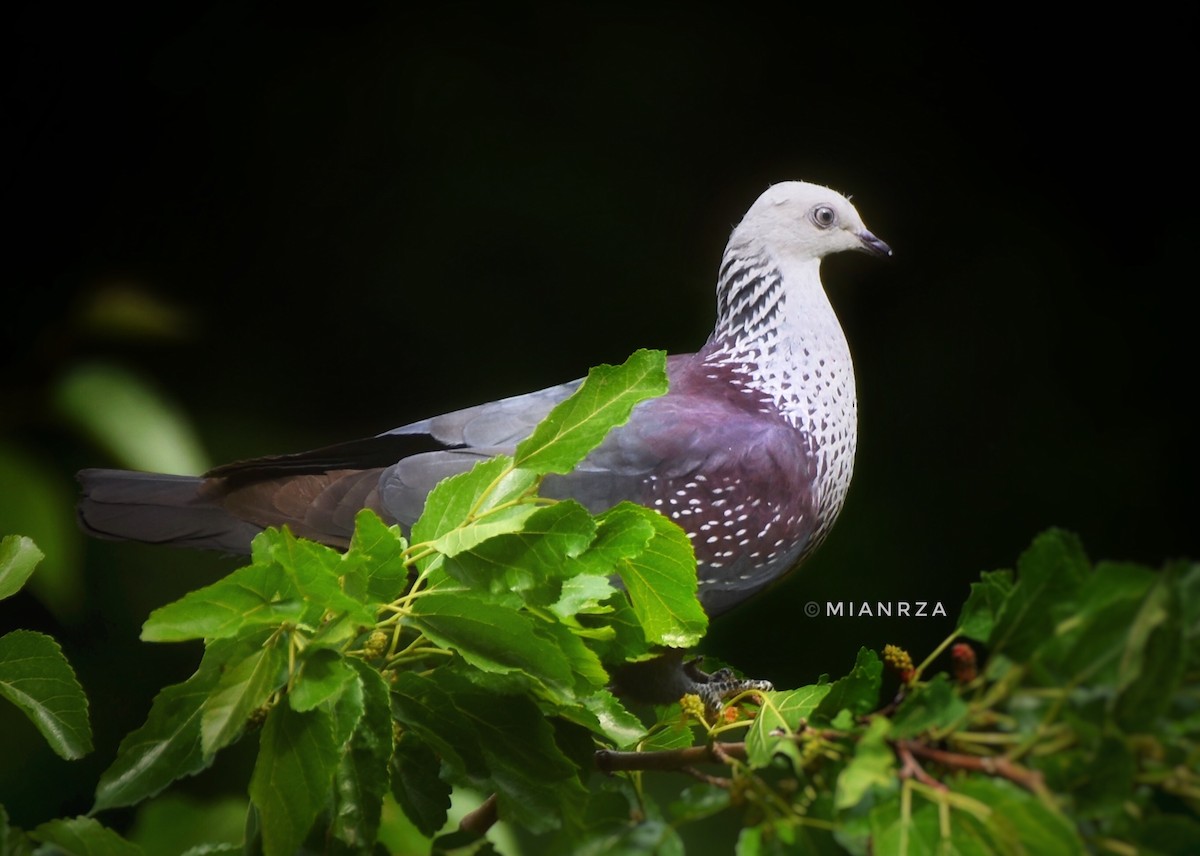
(610, 761)
(1031, 780)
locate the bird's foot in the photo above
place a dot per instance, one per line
(715, 687)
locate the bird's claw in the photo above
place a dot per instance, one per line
(714, 688)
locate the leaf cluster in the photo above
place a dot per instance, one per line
(474, 656)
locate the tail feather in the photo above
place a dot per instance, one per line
(152, 508)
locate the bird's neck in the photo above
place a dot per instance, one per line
(778, 333)
(778, 340)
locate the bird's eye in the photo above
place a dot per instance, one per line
(823, 216)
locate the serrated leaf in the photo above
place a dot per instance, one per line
(18, 558)
(857, 692)
(323, 676)
(1049, 576)
(781, 716)
(604, 400)
(661, 581)
(417, 787)
(452, 503)
(36, 677)
(531, 561)
(491, 637)
(421, 705)
(537, 786)
(246, 684)
(167, 746)
(979, 613)
(490, 525)
(931, 705)
(315, 570)
(604, 714)
(380, 548)
(362, 777)
(84, 836)
(258, 594)
(297, 758)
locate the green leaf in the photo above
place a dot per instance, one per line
(167, 747)
(491, 637)
(530, 561)
(1019, 817)
(18, 557)
(872, 770)
(979, 613)
(459, 499)
(13, 840)
(250, 677)
(1152, 665)
(781, 716)
(416, 784)
(297, 758)
(362, 776)
(603, 401)
(1049, 575)
(932, 705)
(603, 714)
(323, 676)
(316, 571)
(36, 677)
(258, 594)
(857, 692)
(123, 414)
(84, 836)
(425, 709)
(380, 548)
(661, 580)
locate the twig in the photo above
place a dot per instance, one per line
(480, 820)
(911, 767)
(610, 761)
(1031, 780)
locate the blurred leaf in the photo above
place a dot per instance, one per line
(13, 840)
(297, 758)
(84, 836)
(18, 558)
(174, 823)
(1153, 662)
(36, 677)
(935, 704)
(123, 415)
(604, 400)
(127, 310)
(38, 502)
(979, 613)
(873, 767)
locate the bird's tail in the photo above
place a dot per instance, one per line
(120, 505)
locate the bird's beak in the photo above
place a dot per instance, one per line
(872, 245)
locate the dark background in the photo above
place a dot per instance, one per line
(370, 216)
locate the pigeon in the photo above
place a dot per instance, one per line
(750, 451)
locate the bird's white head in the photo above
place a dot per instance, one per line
(805, 221)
